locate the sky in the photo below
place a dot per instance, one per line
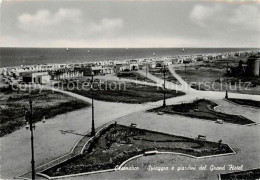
(130, 23)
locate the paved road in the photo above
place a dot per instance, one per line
(50, 143)
(174, 74)
(184, 87)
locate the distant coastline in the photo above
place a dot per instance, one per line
(32, 56)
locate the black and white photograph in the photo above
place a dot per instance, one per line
(130, 89)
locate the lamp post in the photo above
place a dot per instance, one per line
(226, 94)
(93, 122)
(146, 70)
(30, 125)
(185, 67)
(164, 101)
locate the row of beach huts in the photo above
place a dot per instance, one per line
(45, 73)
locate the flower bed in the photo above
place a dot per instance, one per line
(203, 109)
(117, 143)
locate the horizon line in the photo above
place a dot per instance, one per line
(126, 47)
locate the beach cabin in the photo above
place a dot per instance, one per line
(150, 65)
(36, 77)
(199, 58)
(126, 67)
(67, 74)
(160, 63)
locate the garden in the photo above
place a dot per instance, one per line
(116, 143)
(125, 92)
(202, 109)
(250, 174)
(246, 102)
(45, 103)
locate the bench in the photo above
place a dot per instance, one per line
(147, 153)
(201, 138)
(133, 125)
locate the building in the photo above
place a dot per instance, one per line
(160, 63)
(150, 65)
(253, 65)
(96, 69)
(174, 60)
(36, 77)
(189, 60)
(126, 67)
(65, 74)
(251, 68)
(107, 70)
(199, 58)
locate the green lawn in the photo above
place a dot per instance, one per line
(202, 109)
(250, 174)
(158, 72)
(46, 103)
(117, 143)
(125, 92)
(134, 76)
(213, 78)
(246, 102)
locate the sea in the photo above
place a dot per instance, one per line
(10, 57)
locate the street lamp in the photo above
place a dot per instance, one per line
(164, 101)
(93, 122)
(226, 97)
(31, 124)
(146, 70)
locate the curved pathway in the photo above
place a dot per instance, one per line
(184, 87)
(105, 112)
(175, 75)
